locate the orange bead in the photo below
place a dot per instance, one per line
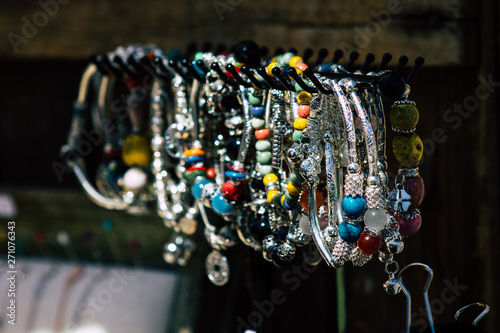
(304, 199)
(262, 134)
(303, 111)
(194, 152)
(302, 66)
(211, 173)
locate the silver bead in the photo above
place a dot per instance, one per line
(392, 286)
(395, 246)
(385, 257)
(372, 181)
(353, 168)
(286, 251)
(381, 165)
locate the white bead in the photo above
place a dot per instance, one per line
(304, 225)
(135, 180)
(376, 219)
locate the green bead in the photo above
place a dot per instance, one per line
(408, 149)
(297, 134)
(264, 157)
(258, 123)
(296, 179)
(277, 199)
(198, 56)
(263, 145)
(404, 117)
(285, 59)
(194, 174)
(298, 88)
(254, 100)
(279, 59)
(265, 169)
(291, 199)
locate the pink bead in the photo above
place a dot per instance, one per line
(302, 66)
(415, 187)
(408, 227)
(262, 134)
(303, 111)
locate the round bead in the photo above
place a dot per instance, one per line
(369, 244)
(258, 123)
(235, 174)
(304, 199)
(287, 205)
(136, 151)
(265, 169)
(263, 145)
(296, 136)
(232, 190)
(194, 152)
(294, 190)
(414, 186)
(291, 198)
(270, 67)
(270, 178)
(257, 111)
(286, 58)
(350, 232)
(264, 157)
(254, 100)
(220, 205)
(277, 199)
(302, 66)
(375, 219)
(211, 173)
(404, 117)
(408, 227)
(198, 187)
(304, 97)
(294, 61)
(271, 194)
(303, 111)
(135, 179)
(408, 149)
(296, 179)
(259, 228)
(354, 207)
(300, 123)
(262, 134)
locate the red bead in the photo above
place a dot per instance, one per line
(415, 187)
(262, 134)
(408, 227)
(211, 173)
(303, 111)
(369, 244)
(196, 167)
(231, 190)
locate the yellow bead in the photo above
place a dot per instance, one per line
(136, 151)
(271, 194)
(294, 61)
(300, 123)
(282, 199)
(294, 190)
(270, 67)
(270, 178)
(299, 71)
(194, 152)
(304, 97)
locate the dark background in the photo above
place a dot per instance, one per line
(460, 234)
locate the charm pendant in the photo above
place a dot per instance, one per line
(217, 268)
(399, 200)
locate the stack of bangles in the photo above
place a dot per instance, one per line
(272, 152)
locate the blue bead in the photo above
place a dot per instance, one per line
(282, 233)
(195, 159)
(350, 232)
(235, 175)
(198, 188)
(257, 111)
(325, 67)
(220, 205)
(198, 69)
(288, 206)
(354, 207)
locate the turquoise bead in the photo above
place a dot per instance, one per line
(220, 205)
(350, 232)
(265, 169)
(254, 100)
(296, 179)
(264, 157)
(354, 207)
(198, 188)
(296, 136)
(258, 123)
(298, 88)
(263, 145)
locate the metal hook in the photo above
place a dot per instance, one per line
(403, 60)
(337, 56)
(307, 54)
(426, 296)
(352, 58)
(310, 74)
(273, 84)
(189, 66)
(293, 73)
(419, 62)
(216, 67)
(322, 54)
(173, 64)
(277, 72)
(479, 317)
(386, 59)
(231, 69)
(246, 70)
(368, 61)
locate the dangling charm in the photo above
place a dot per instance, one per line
(217, 268)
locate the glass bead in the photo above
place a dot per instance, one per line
(270, 178)
(404, 117)
(414, 186)
(408, 227)
(271, 194)
(294, 61)
(304, 199)
(263, 145)
(408, 149)
(304, 97)
(300, 123)
(258, 123)
(220, 205)
(258, 227)
(232, 190)
(136, 151)
(303, 111)
(264, 157)
(262, 134)
(211, 173)
(369, 244)
(375, 219)
(350, 232)
(198, 187)
(257, 111)
(254, 100)
(354, 207)
(296, 136)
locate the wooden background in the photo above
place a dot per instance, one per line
(460, 235)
